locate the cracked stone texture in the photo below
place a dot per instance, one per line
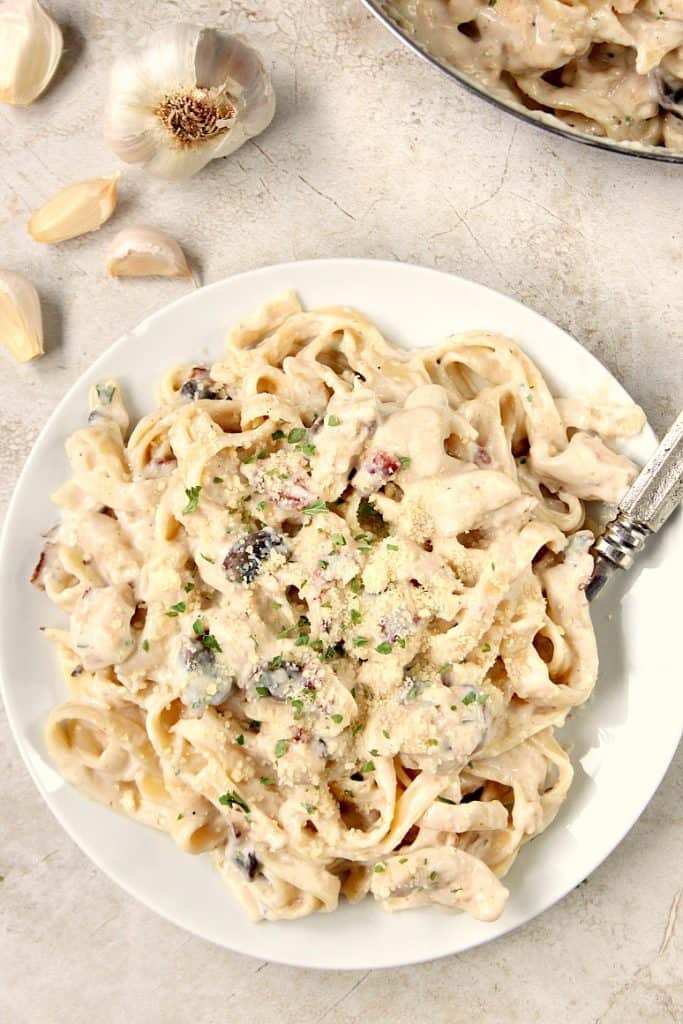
(372, 153)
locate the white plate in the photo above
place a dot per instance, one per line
(623, 740)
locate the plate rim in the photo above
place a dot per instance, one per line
(22, 745)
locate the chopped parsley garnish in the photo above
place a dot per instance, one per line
(298, 706)
(206, 557)
(469, 698)
(278, 435)
(358, 727)
(145, 645)
(317, 645)
(218, 479)
(281, 748)
(355, 616)
(404, 460)
(189, 586)
(445, 667)
(375, 753)
(432, 743)
(433, 875)
(176, 609)
(310, 808)
(356, 585)
(333, 421)
(368, 766)
(360, 641)
(339, 540)
(379, 868)
(445, 800)
(392, 547)
(239, 740)
(384, 648)
(296, 435)
(337, 718)
(249, 460)
(412, 692)
(486, 648)
(198, 626)
(232, 799)
(209, 641)
(266, 780)
(402, 860)
(263, 691)
(330, 654)
(263, 454)
(104, 393)
(275, 662)
(401, 641)
(323, 564)
(261, 505)
(302, 640)
(285, 632)
(386, 734)
(192, 499)
(309, 449)
(316, 508)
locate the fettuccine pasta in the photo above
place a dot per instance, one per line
(326, 609)
(607, 68)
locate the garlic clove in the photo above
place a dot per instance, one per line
(185, 97)
(146, 252)
(75, 211)
(30, 49)
(21, 321)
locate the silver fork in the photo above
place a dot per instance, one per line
(650, 500)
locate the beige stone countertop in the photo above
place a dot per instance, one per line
(373, 154)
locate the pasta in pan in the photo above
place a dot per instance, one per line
(607, 68)
(326, 609)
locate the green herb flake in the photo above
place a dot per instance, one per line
(486, 648)
(432, 743)
(386, 734)
(309, 449)
(176, 609)
(209, 641)
(392, 547)
(218, 479)
(198, 626)
(469, 698)
(266, 780)
(355, 616)
(433, 875)
(278, 435)
(105, 393)
(263, 691)
(316, 509)
(356, 585)
(360, 641)
(405, 461)
(189, 587)
(338, 719)
(302, 640)
(323, 564)
(384, 648)
(357, 728)
(445, 667)
(379, 868)
(179, 817)
(239, 740)
(339, 540)
(403, 860)
(192, 499)
(206, 558)
(296, 435)
(145, 645)
(368, 766)
(333, 421)
(249, 460)
(375, 753)
(232, 799)
(310, 808)
(445, 800)
(281, 748)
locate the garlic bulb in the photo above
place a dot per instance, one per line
(75, 210)
(186, 96)
(146, 252)
(30, 50)
(21, 322)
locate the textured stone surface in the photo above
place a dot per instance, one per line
(371, 154)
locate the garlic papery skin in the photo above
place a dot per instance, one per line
(139, 251)
(30, 49)
(21, 321)
(75, 211)
(188, 95)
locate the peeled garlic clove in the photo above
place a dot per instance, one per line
(184, 97)
(146, 252)
(21, 322)
(75, 210)
(30, 49)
